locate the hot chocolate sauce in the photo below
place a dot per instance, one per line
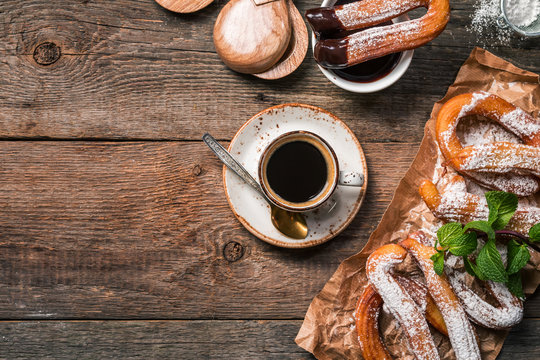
(371, 70)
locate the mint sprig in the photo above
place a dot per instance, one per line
(490, 263)
(438, 262)
(515, 285)
(464, 244)
(534, 233)
(448, 232)
(483, 226)
(462, 241)
(518, 257)
(502, 206)
(472, 269)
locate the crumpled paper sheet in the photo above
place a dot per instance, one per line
(329, 330)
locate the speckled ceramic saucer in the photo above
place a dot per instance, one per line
(247, 146)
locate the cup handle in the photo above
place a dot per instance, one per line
(351, 178)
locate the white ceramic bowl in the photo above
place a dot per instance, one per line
(368, 87)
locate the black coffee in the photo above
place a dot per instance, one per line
(297, 171)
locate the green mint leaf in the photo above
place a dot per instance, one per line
(483, 226)
(469, 266)
(449, 231)
(472, 269)
(518, 256)
(436, 246)
(515, 286)
(438, 262)
(490, 263)
(534, 233)
(464, 244)
(502, 206)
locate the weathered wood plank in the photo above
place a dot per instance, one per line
(270, 339)
(522, 341)
(137, 230)
(150, 340)
(131, 70)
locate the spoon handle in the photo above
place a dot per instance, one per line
(229, 161)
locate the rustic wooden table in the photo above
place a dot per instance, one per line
(116, 238)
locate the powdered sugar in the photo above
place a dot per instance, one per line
(510, 311)
(381, 36)
(503, 158)
(459, 205)
(484, 22)
(476, 97)
(362, 41)
(356, 14)
(522, 13)
(524, 218)
(499, 165)
(400, 304)
(474, 132)
(517, 184)
(460, 331)
(520, 123)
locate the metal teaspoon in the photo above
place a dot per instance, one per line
(291, 224)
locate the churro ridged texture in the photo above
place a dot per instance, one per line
(420, 294)
(500, 165)
(379, 266)
(453, 203)
(506, 314)
(509, 309)
(367, 325)
(374, 42)
(368, 309)
(411, 303)
(460, 330)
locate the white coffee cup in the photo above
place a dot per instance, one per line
(334, 177)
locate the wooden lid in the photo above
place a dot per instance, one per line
(184, 6)
(249, 38)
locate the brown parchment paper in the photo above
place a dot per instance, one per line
(328, 330)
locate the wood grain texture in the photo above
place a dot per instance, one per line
(132, 70)
(184, 6)
(270, 339)
(138, 230)
(142, 230)
(251, 38)
(296, 51)
(151, 340)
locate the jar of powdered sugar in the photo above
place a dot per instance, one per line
(523, 16)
